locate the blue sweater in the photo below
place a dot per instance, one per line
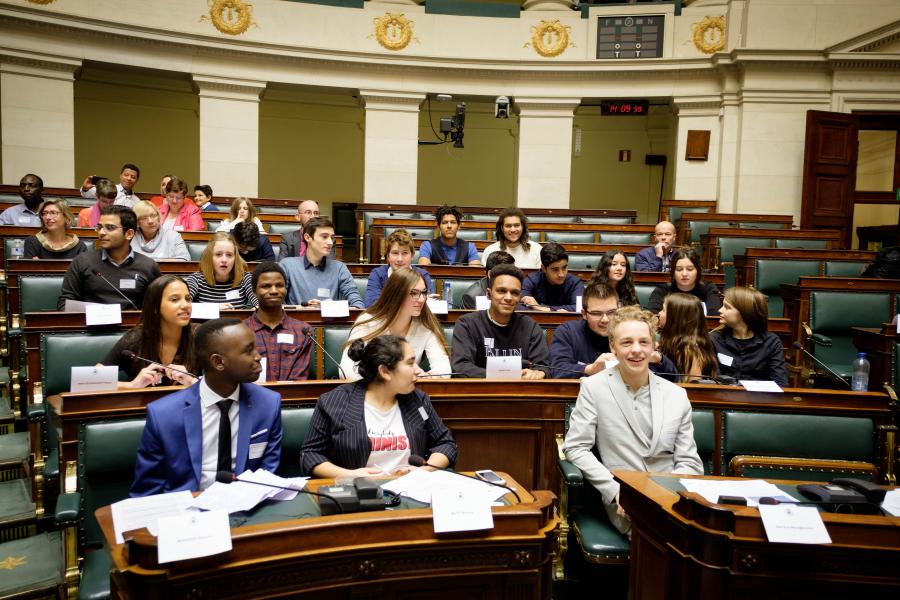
(305, 280)
(555, 296)
(379, 276)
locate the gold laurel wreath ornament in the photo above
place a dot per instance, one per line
(709, 34)
(550, 38)
(394, 31)
(231, 17)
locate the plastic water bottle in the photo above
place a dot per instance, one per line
(448, 295)
(18, 248)
(860, 380)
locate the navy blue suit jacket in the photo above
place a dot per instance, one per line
(171, 451)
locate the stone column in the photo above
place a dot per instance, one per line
(229, 133)
(545, 151)
(37, 107)
(392, 146)
(697, 179)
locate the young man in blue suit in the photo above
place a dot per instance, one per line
(187, 445)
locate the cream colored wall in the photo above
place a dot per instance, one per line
(873, 214)
(483, 173)
(146, 118)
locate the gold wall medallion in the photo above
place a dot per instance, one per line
(394, 31)
(232, 17)
(709, 34)
(11, 562)
(550, 38)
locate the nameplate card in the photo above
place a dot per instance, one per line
(761, 386)
(94, 379)
(264, 363)
(193, 535)
(504, 367)
(578, 304)
(438, 307)
(482, 303)
(791, 524)
(204, 310)
(460, 510)
(102, 314)
(335, 308)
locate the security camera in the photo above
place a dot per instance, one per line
(501, 107)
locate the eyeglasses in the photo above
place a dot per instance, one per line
(598, 314)
(416, 294)
(109, 228)
(50, 213)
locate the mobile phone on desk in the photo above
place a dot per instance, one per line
(490, 477)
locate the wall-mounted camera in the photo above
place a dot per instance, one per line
(452, 127)
(501, 107)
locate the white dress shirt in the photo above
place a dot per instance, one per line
(210, 415)
(123, 198)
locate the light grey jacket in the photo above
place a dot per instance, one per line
(167, 244)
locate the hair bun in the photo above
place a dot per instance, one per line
(356, 349)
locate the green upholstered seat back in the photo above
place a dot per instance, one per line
(643, 293)
(195, 249)
(835, 313)
(771, 273)
(473, 234)
(675, 212)
(213, 224)
(333, 339)
(62, 351)
(760, 225)
(705, 437)
(107, 452)
(38, 292)
(551, 219)
(605, 220)
(370, 216)
(586, 262)
(701, 228)
(282, 228)
(801, 243)
(480, 218)
(570, 237)
(607, 237)
(294, 424)
(362, 283)
(844, 268)
(458, 287)
(729, 247)
(417, 233)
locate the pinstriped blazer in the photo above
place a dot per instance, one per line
(337, 430)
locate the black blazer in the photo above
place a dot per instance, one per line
(337, 430)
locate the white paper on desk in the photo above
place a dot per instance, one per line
(503, 367)
(232, 497)
(482, 303)
(419, 484)
(335, 308)
(135, 513)
(751, 489)
(193, 535)
(204, 310)
(94, 379)
(891, 502)
(102, 314)
(457, 509)
(266, 477)
(793, 524)
(760, 386)
(438, 307)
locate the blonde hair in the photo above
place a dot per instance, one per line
(632, 313)
(401, 238)
(236, 206)
(145, 209)
(206, 260)
(63, 207)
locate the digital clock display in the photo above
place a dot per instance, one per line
(624, 107)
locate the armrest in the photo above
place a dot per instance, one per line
(36, 412)
(571, 474)
(821, 340)
(68, 509)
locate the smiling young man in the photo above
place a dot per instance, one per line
(218, 427)
(448, 248)
(114, 270)
(282, 340)
(315, 276)
(636, 420)
(552, 288)
(500, 331)
(125, 196)
(400, 251)
(31, 189)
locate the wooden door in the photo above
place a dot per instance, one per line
(829, 172)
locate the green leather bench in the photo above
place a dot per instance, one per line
(607, 237)
(697, 229)
(801, 243)
(195, 249)
(675, 212)
(584, 262)
(333, 340)
(843, 268)
(771, 273)
(570, 237)
(458, 288)
(605, 220)
(282, 228)
(362, 283)
(472, 235)
(644, 291)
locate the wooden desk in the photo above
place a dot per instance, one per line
(683, 547)
(880, 346)
(745, 264)
(385, 554)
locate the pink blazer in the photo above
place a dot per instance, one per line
(189, 218)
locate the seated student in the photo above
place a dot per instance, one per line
(164, 335)
(113, 274)
(631, 418)
(614, 270)
(401, 310)
(152, 240)
(400, 250)
(282, 340)
(372, 426)
(105, 193)
(242, 209)
(252, 246)
(292, 243)
(657, 257)
(687, 277)
(160, 199)
(125, 196)
(552, 288)
(315, 276)
(53, 241)
(685, 339)
(480, 287)
(745, 347)
(31, 189)
(500, 331)
(447, 248)
(220, 426)
(223, 277)
(512, 237)
(581, 348)
(179, 212)
(203, 196)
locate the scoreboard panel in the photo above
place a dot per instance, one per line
(632, 36)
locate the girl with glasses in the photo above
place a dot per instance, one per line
(53, 241)
(401, 310)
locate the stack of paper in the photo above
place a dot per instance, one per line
(135, 513)
(891, 504)
(420, 483)
(751, 489)
(242, 495)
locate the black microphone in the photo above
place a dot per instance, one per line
(799, 346)
(132, 356)
(281, 487)
(325, 352)
(833, 506)
(417, 461)
(723, 380)
(117, 290)
(427, 375)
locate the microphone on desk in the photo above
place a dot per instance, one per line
(721, 380)
(417, 461)
(132, 356)
(428, 375)
(799, 346)
(867, 507)
(117, 290)
(232, 477)
(310, 335)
